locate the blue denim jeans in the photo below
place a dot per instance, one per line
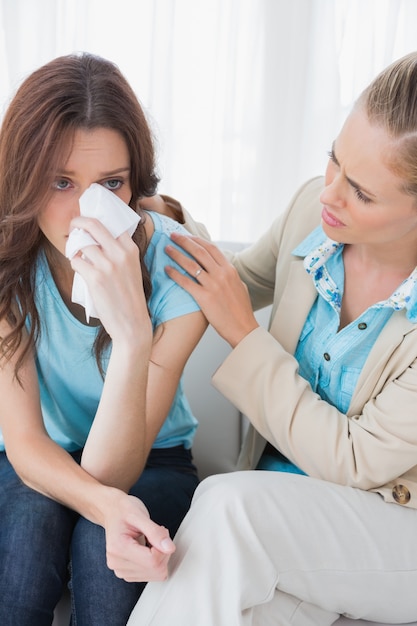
(39, 537)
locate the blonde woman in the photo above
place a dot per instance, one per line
(326, 524)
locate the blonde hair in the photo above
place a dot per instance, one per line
(390, 101)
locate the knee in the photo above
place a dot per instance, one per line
(212, 485)
(221, 512)
(218, 494)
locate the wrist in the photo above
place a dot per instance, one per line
(238, 335)
(134, 341)
(107, 500)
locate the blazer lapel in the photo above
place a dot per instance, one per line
(381, 360)
(290, 314)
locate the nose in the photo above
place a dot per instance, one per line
(72, 205)
(75, 206)
(76, 195)
(334, 189)
(79, 191)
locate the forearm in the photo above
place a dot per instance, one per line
(137, 549)
(115, 451)
(360, 450)
(49, 469)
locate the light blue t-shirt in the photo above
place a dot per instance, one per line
(329, 359)
(69, 379)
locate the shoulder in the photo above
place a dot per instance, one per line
(306, 204)
(161, 229)
(301, 218)
(168, 300)
(162, 225)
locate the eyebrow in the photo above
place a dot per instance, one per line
(351, 182)
(119, 170)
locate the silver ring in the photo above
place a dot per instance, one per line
(198, 272)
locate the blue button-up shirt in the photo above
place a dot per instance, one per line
(329, 359)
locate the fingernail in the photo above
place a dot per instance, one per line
(166, 544)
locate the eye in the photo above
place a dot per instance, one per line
(61, 184)
(361, 196)
(332, 157)
(113, 184)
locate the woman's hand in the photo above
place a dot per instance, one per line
(217, 288)
(113, 275)
(137, 548)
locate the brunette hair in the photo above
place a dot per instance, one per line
(391, 102)
(71, 92)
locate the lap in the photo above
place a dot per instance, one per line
(36, 534)
(339, 547)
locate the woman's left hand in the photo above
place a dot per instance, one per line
(217, 287)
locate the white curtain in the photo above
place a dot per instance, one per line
(244, 96)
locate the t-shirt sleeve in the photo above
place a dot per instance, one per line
(168, 300)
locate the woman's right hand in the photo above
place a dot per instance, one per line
(114, 278)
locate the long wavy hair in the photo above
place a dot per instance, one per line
(78, 91)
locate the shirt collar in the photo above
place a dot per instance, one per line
(317, 248)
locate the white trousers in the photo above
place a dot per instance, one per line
(265, 548)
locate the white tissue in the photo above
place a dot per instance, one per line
(115, 215)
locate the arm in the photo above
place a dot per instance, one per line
(50, 470)
(376, 442)
(367, 448)
(174, 342)
(172, 346)
(113, 275)
(143, 372)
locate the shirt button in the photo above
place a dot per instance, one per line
(326, 355)
(362, 326)
(401, 494)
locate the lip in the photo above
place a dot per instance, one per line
(330, 219)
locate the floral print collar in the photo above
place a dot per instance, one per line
(317, 249)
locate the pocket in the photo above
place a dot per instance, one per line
(348, 379)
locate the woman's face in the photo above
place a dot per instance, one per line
(98, 156)
(363, 200)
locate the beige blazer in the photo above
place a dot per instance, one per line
(374, 446)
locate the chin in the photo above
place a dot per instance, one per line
(336, 234)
